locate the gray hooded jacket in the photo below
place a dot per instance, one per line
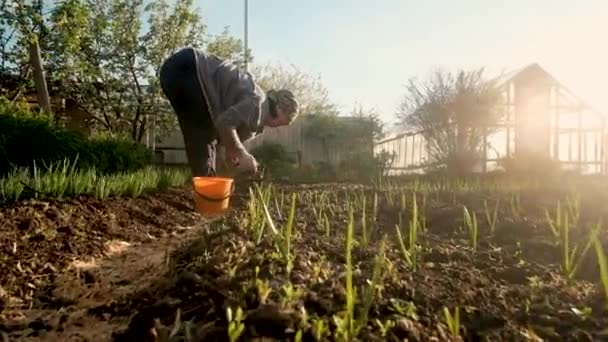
(233, 97)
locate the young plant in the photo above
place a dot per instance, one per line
(452, 321)
(572, 257)
(290, 294)
(557, 222)
(368, 294)
(346, 324)
(256, 219)
(319, 328)
(364, 237)
(470, 222)
(515, 205)
(603, 264)
(282, 241)
(326, 225)
(491, 217)
(574, 209)
(385, 327)
(235, 324)
(409, 250)
(288, 232)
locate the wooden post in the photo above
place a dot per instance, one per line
(484, 166)
(44, 100)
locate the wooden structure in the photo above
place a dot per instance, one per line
(293, 138)
(541, 118)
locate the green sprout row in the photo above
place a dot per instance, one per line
(63, 180)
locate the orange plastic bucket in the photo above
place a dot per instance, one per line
(212, 194)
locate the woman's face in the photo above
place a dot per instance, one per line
(281, 119)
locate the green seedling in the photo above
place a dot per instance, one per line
(574, 209)
(385, 327)
(557, 222)
(288, 235)
(369, 292)
(235, 324)
(364, 239)
(603, 264)
(256, 219)
(409, 249)
(319, 328)
(491, 217)
(290, 294)
(326, 225)
(263, 289)
(470, 222)
(452, 321)
(345, 325)
(572, 257)
(515, 203)
(404, 309)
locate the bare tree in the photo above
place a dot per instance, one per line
(310, 91)
(453, 110)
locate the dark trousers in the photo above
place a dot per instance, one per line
(180, 84)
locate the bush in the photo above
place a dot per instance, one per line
(111, 154)
(26, 138)
(530, 165)
(365, 167)
(275, 160)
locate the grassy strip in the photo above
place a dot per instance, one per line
(63, 180)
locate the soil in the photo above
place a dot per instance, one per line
(143, 269)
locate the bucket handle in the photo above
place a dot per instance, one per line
(209, 199)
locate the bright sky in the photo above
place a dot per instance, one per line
(366, 50)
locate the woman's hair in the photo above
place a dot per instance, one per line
(286, 100)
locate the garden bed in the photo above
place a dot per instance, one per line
(507, 278)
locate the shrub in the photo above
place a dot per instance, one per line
(364, 167)
(275, 160)
(26, 138)
(111, 154)
(532, 165)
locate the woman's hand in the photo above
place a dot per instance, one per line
(242, 159)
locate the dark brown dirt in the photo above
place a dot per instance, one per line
(510, 289)
(39, 239)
